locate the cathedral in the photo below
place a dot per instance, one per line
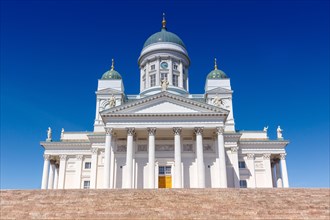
(164, 136)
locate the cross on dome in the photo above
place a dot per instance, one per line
(215, 64)
(113, 64)
(164, 21)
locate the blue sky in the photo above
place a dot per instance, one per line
(275, 52)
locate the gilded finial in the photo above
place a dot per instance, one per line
(164, 21)
(113, 64)
(215, 64)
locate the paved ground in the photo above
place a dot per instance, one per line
(166, 204)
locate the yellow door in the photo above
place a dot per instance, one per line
(168, 181)
(164, 177)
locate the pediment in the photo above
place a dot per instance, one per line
(164, 103)
(219, 90)
(108, 91)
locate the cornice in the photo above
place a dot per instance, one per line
(163, 114)
(63, 145)
(161, 95)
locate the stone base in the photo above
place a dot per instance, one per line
(166, 203)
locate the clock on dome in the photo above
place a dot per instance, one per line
(164, 65)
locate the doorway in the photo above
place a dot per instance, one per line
(164, 177)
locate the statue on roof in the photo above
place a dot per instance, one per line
(217, 101)
(112, 101)
(49, 134)
(265, 129)
(279, 133)
(164, 85)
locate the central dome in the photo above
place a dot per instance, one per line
(164, 36)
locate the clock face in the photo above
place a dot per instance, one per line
(164, 65)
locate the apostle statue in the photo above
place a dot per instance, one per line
(279, 133)
(62, 133)
(164, 85)
(217, 101)
(49, 134)
(265, 129)
(112, 101)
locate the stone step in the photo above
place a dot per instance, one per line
(166, 204)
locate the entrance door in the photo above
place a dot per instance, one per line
(165, 177)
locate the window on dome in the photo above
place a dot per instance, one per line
(185, 83)
(163, 76)
(175, 67)
(144, 81)
(153, 67)
(152, 80)
(175, 80)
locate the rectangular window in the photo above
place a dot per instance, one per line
(175, 80)
(152, 80)
(242, 184)
(88, 165)
(87, 184)
(175, 67)
(185, 83)
(241, 164)
(144, 81)
(163, 76)
(152, 67)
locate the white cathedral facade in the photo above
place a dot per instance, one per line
(164, 137)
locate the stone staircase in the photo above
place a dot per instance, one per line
(166, 204)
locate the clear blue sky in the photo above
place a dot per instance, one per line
(275, 52)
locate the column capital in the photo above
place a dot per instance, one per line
(177, 130)
(250, 156)
(234, 149)
(108, 131)
(94, 150)
(220, 130)
(46, 157)
(282, 156)
(151, 131)
(198, 130)
(266, 156)
(79, 157)
(63, 156)
(130, 131)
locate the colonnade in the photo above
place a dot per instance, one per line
(151, 131)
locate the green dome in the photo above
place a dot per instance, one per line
(111, 75)
(164, 36)
(217, 74)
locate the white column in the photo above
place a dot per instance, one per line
(278, 175)
(51, 175)
(284, 171)
(151, 157)
(200, 157)
(79, 160)
(56, 175)
(170, 73)
(234, 160)
(129, 158)
(268, 172)
(94, 165)
(61, 178)
(177, 158)
(45, 172)
(112, 167)
(107, 155)
(222, 158)
(250, 165)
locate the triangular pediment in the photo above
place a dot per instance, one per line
(164, 103)
(108, 91)
(219, 90)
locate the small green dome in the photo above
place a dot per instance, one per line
(164, 36)
(217, 74)
(111, 75)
